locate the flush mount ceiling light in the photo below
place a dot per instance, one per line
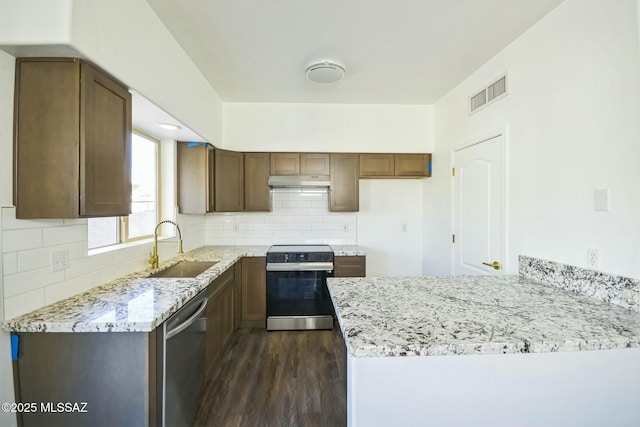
(325, 71)
(168, 126)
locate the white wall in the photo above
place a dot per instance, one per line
(390, 226)
(328, 127)
(125, 38)
(572, 118)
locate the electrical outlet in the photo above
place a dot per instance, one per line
(59, 260)
(592, 258)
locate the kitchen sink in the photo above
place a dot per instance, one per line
(184, 269)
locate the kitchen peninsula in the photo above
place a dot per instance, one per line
(497, 351)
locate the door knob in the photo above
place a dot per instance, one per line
(494, 264)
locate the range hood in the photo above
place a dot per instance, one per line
(296, 181)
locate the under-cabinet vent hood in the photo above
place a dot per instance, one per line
(295, 181)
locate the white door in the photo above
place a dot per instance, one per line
(479, 223)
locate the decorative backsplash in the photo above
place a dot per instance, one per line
(618, 290)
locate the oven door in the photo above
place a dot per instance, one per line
(298, 300)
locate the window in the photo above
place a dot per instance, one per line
(144, 200)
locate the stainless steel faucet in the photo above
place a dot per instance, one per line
(154, 255)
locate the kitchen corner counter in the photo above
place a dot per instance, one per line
(348, 250)
(133, 303)
(435, 316)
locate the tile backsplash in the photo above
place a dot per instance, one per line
(298, 216)
(26, 247)
(618, 290)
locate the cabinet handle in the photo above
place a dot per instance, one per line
(494, 264)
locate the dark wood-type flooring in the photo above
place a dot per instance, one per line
(278, 379)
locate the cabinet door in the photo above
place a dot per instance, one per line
(349, 266)
(229, 181)
(210, 177)
(375, 165)
(46, 146)
(195, 166)
(285, 164)
(214, 334)
(412, 164)
(257, 195)
(237, 295)
(105, 145)
(344, 191)
(254, 291)
(314, 164)
(227, 315)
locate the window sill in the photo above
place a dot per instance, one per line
(119, 246)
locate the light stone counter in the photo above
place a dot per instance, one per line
(435, 316)
(136, 303)
(133, 303)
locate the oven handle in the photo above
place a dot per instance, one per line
(300, 266)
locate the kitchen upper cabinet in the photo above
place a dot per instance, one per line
(380, 165)
(254, 292)
(412, 165)
(315, 164)
(300, 164)
(257, 194)
(72, 141)
(285, 163)
(349, 266)
(344, 191)
(229, 181)
(196, 180)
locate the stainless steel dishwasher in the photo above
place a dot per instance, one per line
(184, 363)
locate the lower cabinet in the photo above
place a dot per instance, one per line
(254, 292)
(349, 266)
(221, 308)
(109, 378)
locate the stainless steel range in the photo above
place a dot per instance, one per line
(297, 295)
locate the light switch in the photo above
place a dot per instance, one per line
(601, 200)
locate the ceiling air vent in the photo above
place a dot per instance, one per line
(494, 91)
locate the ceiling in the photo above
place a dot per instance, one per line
(395, 52)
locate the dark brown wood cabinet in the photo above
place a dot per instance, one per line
(220, 316)
(349, 266)
(117, 374)
(254, 292)
(412, 165)
(344, 191)
(195, 178)
(285, 164)
(229, 181)
(388, 165)
(379, 165)
(315, 164)
(257, 194)
(300, 164)
(72, 141)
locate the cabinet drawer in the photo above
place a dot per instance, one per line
(349, 266)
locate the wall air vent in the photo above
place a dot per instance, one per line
(492, 92)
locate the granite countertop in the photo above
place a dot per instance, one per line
(137, 303)
(434, 316)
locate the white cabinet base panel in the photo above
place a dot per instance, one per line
(582, 388)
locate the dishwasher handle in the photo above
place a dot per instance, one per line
(188, 322)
